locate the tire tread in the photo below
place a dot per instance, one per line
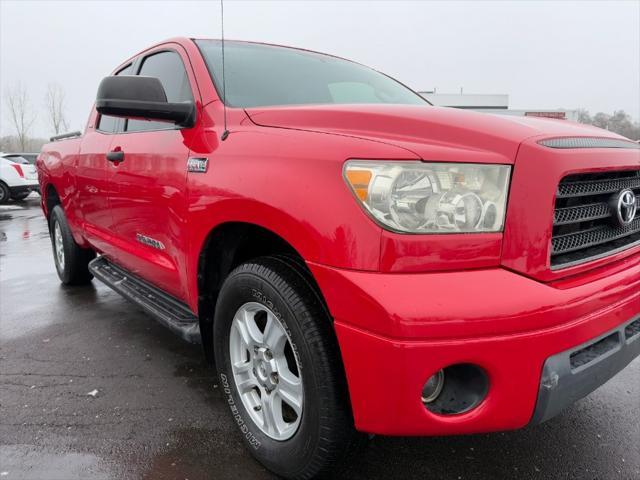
(77, 259)
(338, 440)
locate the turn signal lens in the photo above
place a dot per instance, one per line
(359, 181)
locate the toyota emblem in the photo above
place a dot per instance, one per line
(625, 207)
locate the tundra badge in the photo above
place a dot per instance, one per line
(151, 242)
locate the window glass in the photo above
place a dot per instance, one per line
(352, 92)
(107, 123)
(16, 159)
(262, 75)
(169, 69)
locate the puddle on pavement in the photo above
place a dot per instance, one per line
(197, 453)
(27, 462)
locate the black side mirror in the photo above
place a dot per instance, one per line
(141, 97)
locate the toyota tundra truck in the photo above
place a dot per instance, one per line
(354, 260)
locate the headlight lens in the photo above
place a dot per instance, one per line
(419, 197)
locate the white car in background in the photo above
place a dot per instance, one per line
(18, 178)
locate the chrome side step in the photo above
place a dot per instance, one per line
(169, 311)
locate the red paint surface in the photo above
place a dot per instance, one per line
(395, 331)
(404, 305)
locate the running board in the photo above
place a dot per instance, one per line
(169, 311)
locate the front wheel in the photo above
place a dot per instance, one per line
(280, 369)
(72, 261)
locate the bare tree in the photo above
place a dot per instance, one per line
(584, 116)
(55, 103)
(601, 120)
(20, 113)
(620, 122)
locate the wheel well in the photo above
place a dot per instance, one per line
(51, 199)
(226, 247)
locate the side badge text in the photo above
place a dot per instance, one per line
(197, 164)
(150, 242)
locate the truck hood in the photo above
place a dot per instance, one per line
(432, 133)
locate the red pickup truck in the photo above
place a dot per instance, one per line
(355, 260)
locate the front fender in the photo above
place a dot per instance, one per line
(290, 183)
(332, 245)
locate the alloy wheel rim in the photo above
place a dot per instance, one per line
(58, 244)
(266, 371)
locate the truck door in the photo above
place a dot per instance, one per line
(148, 185)
(93, 182)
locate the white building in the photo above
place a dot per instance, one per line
(498, 104)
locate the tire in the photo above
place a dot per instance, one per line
(18, 197)
(321, 439)
(5, 194)
(70, 259)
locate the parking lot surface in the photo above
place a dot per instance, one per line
(92, 388)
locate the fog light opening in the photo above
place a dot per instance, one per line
(455, 389)
(433, 387)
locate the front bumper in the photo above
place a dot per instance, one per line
(570, 375)
(396, 330)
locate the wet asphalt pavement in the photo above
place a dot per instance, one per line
(158, 413)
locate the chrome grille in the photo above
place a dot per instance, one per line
(593, 211)
(579, 189)
(584, 227)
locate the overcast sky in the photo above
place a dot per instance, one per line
(543, 54)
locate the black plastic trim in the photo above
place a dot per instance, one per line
(588, 142)
(169, 311)
(585, 223)
(23, 189)
(575, 373)
(182, 114)
(64, 136)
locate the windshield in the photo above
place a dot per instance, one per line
(265, 75)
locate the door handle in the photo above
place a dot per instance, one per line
(115, 156)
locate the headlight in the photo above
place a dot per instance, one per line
(419, 197)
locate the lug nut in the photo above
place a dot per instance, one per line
(274, 378)
(268, 355)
